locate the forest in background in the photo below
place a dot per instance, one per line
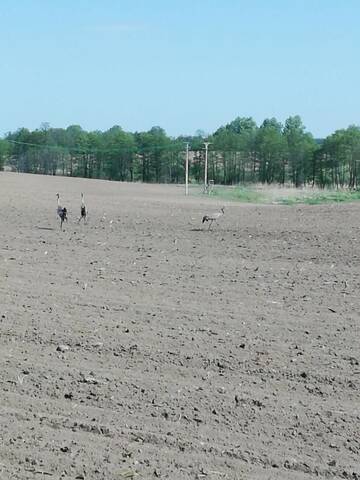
(240, 152)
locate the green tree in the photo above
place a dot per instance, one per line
(272, 149)
(76, 142)
(20, 147)
(339, 157)
(4, 152)
(236, 146)
(119, 150)
(301, 147)
(155, 153)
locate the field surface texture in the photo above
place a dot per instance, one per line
(144, 346)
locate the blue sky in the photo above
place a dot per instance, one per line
(181, 64)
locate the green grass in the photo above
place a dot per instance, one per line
(317, 198)
(239, 194)
(259, 194)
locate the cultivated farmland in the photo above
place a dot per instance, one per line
(144, 346)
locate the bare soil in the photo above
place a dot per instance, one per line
(144, 346)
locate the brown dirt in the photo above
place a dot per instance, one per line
(231, 354)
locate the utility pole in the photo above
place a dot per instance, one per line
(206, 165)
(187, 170)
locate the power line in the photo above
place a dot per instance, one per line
(135, 149)
(85, 150)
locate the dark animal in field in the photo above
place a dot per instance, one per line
(83, 210)
(213, 217)
(61, 211)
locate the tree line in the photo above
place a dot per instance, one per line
(239, 152)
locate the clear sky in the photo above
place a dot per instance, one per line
(180, 64)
